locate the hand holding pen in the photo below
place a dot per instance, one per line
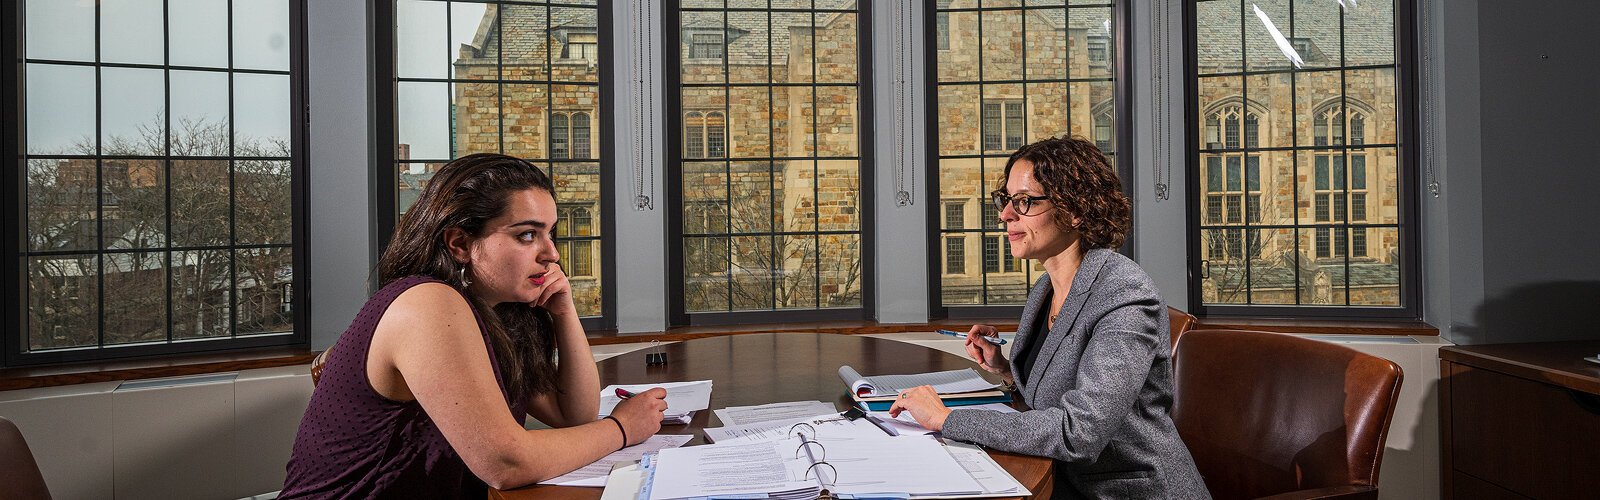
(987, 354)
(640, 414)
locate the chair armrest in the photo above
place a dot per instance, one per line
(1347, 492)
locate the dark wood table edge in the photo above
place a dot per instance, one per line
(1575, 373)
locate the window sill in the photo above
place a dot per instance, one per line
(1319, 326)
(165, 366)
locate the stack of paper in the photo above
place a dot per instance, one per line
(595, 474)
(910, 466)
(746, 415)
(827, 427)
(683, 399)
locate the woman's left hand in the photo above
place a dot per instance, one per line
(924, 404)
(556, 296)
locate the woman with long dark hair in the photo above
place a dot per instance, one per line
(425, 395)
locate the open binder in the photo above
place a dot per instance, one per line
(955, 388)
(804, 467)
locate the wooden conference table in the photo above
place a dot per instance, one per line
(755, 369)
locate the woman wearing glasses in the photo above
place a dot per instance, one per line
(1092, 350)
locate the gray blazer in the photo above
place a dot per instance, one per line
(1100, 388)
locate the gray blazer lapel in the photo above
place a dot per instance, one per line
(1088, 271)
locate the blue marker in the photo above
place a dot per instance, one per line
(962, 335)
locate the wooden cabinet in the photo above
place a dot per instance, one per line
(1520, 420)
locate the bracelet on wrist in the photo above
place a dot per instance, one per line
(620, 428)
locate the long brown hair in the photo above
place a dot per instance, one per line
(1080, 182)
(466, 194)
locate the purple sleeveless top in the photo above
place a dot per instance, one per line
(354, 443)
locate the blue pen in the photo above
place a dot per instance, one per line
(962, 335)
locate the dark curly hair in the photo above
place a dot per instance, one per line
(1080, 183)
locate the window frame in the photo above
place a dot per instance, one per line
(385, 136)
(670, 14)
(13, 129)
(1123, 143)
(1407, 160)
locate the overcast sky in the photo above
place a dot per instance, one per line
(61, 99)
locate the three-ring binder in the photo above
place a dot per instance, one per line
(808, 443)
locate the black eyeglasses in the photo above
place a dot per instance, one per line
(1020, 202)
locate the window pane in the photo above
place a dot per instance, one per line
(135, 295)
(200, 194)
(841, 270)
(422, 39)
(61, 205)
(1218, 26)
(754, 273)
(261, 115)
(577, 28)
(132, 106)
(752, 205)
(423, 120)
(63, 301)
(135, 190)
(131, 31)
(836, 48)
(476, 118)
(200, 116)
(1095, 50)
(754, 132)
(70, 36)
(1002, 37)
(262, 210)
(61, 109)
(959, 109)
(261, 34)
(1261, 50)
(194, 28)
(201, 294)
(260, 283)
(706, 280)
(955, 255)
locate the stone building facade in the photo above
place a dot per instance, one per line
(1327, 134)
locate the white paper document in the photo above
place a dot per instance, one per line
(912, 465)
(683, 398)
(947, 382)
(746, 415)
(828, 427)
(624, 482)
(595, 474)
(983, 469)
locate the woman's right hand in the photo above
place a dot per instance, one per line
(640, 415)
(986, 354)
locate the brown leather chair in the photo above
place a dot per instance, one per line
(18, 472)
(317, 363)
(1274, 415)
(1181, 323)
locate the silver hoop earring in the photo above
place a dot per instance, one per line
(461, 276)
